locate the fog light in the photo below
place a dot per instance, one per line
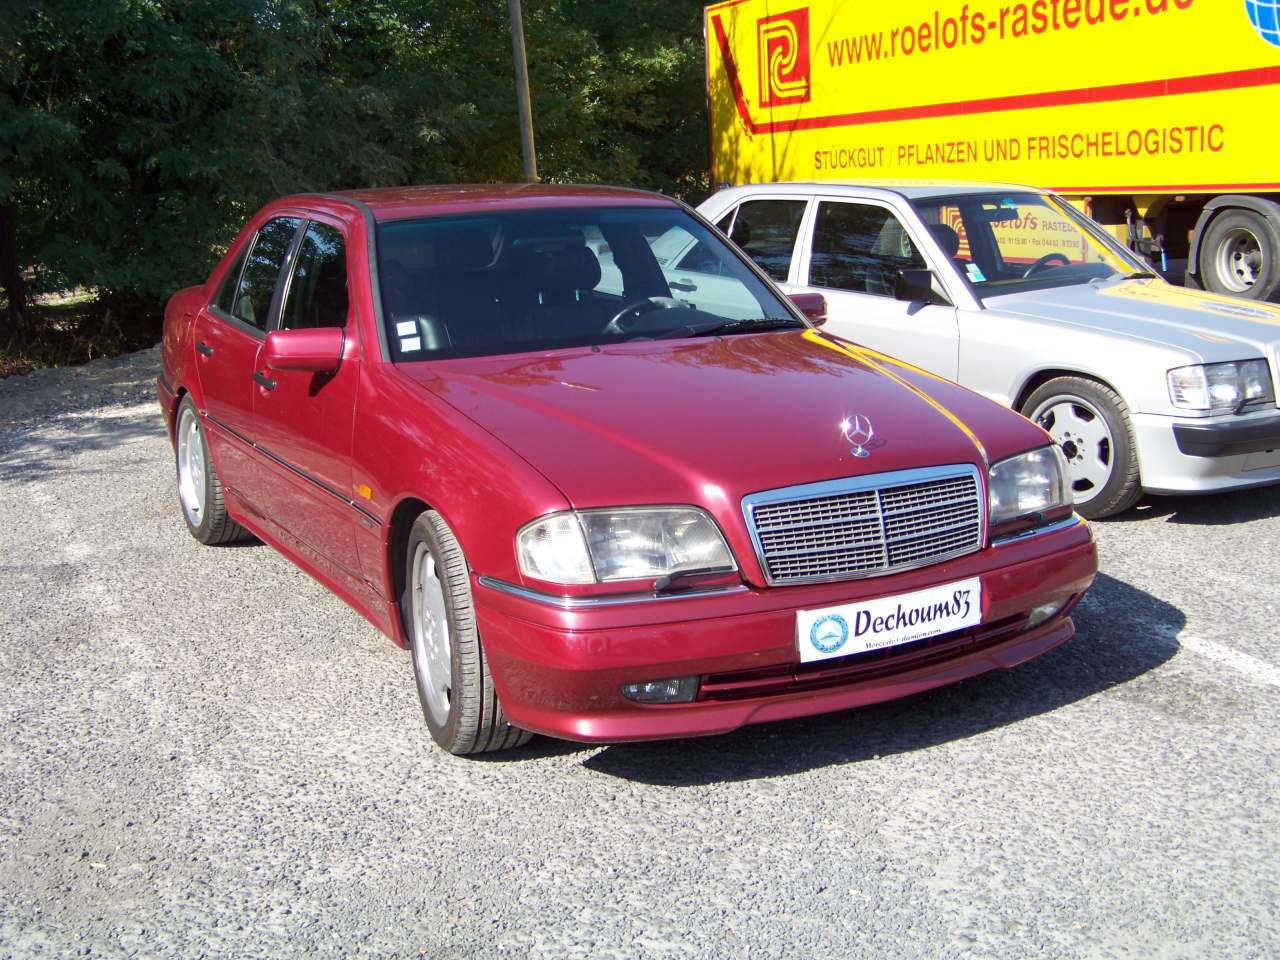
(675, 690)
(1046, 611)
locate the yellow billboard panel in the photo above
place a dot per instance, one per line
(1084, 96)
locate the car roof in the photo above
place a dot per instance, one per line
(908, 189)
(393, 203)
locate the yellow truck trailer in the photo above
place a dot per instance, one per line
(1159, 118)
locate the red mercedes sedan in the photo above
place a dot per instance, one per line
(599, 494)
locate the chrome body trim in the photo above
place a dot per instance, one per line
(620, 599)
(862, 484)
(1054, 527)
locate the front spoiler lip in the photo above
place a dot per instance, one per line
(1228, 439)
(711, 718)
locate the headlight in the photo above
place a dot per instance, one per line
(1033, 482)
(631, 543)
(1220, 387)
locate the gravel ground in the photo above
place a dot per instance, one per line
(206, 754)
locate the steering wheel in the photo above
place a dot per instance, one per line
(618, 326)
(1045, 261)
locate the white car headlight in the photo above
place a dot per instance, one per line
(1220, 387)
(1032, 482)
(628, 543)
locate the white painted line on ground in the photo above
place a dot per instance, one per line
(1251, 667)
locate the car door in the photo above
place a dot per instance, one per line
(303, 421)
(229, 334)
(854, 251)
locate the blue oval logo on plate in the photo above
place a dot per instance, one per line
(829, 633)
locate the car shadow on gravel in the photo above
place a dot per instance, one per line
(1207, 510)
(1122, 633)
(27, 457)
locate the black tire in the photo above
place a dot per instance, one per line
(473, 720)
(1240, 254)
(209, 522)
(1089, 399)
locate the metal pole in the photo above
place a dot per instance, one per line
(522, 93)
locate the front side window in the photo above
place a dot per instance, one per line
(317, 293)
(262, 271)
(525, 280)
(860, 248)
(766, 231)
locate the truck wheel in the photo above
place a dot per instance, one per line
(1090, 422)
(1241, 255)
(449, 664)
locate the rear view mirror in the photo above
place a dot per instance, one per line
(913, 286)
(313, 349)
(812, 305)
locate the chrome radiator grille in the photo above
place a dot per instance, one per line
(866, 526)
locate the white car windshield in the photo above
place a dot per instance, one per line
(524, 280)
(1006, 243)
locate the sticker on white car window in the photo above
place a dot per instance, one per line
(975, 272)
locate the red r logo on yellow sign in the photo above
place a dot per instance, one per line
(784, 58)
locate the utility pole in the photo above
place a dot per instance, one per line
(522, 93)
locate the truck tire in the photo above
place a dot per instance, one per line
(1090, 422)
(1240, 254)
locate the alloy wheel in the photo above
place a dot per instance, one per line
(432, 647)
(191, 479)
(1081, 431)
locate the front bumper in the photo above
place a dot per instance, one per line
(1203, 455)
(558, 670)
(1229, 438)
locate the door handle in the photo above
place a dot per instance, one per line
(683, 285)
(204, 348)
(262, 380)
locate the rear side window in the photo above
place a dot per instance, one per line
(766, 231)
(860, 248)
(317, 294)
(262, 270)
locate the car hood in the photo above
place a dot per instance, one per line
(709, 420)
(1210, 326)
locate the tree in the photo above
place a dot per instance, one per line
(136, 136)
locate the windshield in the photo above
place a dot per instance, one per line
(527, 280)
(1017, 242)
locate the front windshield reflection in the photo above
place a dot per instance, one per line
(1005, 243)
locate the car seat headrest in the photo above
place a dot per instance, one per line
(947, 238)
(466, 248)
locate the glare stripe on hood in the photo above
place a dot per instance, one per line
(863, 355)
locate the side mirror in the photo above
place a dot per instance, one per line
(913, 286)
(313, 350)
(812, 305)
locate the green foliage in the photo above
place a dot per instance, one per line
(136, 136)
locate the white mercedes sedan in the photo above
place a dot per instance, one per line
(1012, 292)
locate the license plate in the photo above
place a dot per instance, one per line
(887, 622)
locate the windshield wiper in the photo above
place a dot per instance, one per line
(730, 326)
(1114, 278)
